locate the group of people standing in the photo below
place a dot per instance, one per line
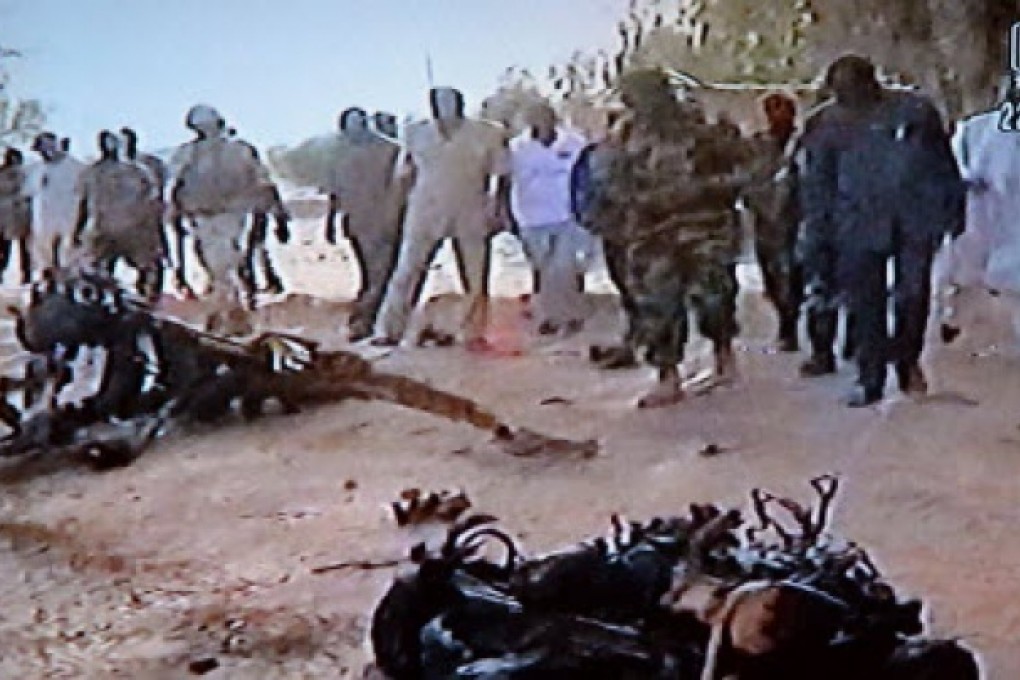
(868, 187)
(869, 180)
(130, 207)
(464, 180)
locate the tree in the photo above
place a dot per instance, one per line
(955, 49)
(20, 119)
(307, 164)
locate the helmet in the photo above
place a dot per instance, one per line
(643, 82)
(202, 117)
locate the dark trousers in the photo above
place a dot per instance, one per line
(6, 246)
(783, 277)
(865, 281)
(377, 258)
(256, 257)
(616, 266)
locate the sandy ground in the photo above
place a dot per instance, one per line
(204, 548)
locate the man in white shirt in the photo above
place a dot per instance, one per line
(541, 159)
(56, 195)
(448, 163)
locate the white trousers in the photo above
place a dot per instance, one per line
(429, 222)
(558, 256)
(219, 243)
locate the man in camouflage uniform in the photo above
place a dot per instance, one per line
(669, 190)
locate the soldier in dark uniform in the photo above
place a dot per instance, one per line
(668, 192)
(878, 183)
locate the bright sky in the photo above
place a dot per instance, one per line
(279, 70)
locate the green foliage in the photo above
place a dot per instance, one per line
(722, 40)
(306, 164)
(954, 49)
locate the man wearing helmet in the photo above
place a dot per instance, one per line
(669, 190)
(360, 185)
(217, 185)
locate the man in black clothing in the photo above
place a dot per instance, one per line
(878, 183)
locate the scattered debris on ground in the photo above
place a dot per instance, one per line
(159, 373)
(706, 595)
(417, 507)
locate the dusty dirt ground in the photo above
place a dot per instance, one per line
(204, 549)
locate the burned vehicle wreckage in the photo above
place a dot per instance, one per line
(705, 596)
(157, 372)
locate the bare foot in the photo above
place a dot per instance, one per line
(664, 394)
(479, 346)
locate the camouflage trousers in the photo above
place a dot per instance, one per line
(668, 280)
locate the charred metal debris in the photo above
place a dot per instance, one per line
(705, 596)
(155, 373)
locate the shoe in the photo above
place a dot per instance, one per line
(818, 365)
(573, 327)
(384, 341)
(430, 337)
(788, 344)
(358, 334)
(912, 380)
(548, 328)
(613, 358)
(949, 332)
(861, 397)
(662, 396)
